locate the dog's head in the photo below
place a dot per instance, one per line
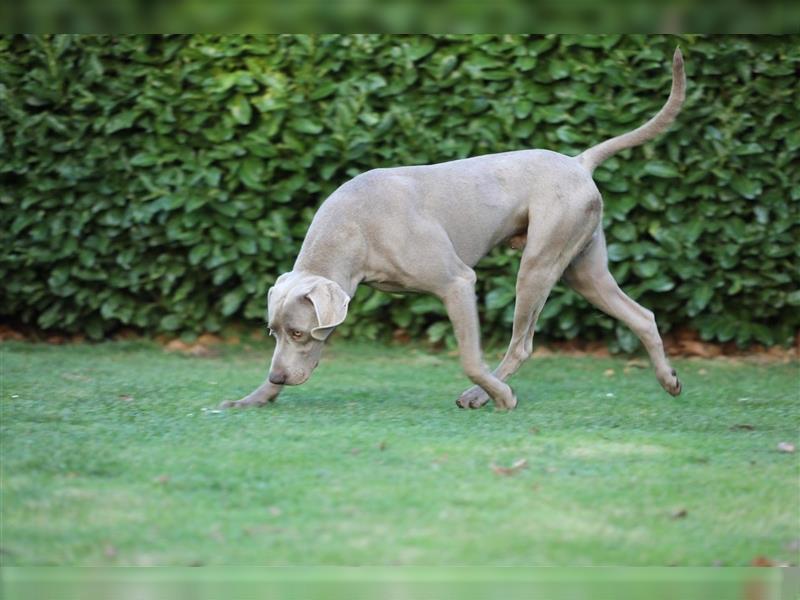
(302, 311)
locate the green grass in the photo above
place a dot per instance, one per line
(370, 462)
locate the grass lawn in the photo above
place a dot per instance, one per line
(113, 454)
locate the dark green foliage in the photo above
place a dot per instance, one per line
(165, 182)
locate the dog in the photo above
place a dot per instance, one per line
(423, 228)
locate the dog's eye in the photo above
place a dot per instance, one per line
(296, 334)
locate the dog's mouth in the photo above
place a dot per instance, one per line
(302, 378)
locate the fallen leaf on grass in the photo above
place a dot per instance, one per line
(742, 427)
(786, 447)
(209, 339)
(702, 372)
(701, 349)
(200, 351)
(608, 372)
(162, 479)
(382, 446)
(762, 561)
(126, 398)
(197, 349)
(275, 511)
(176, 346)
(681, 513)
(516, 466)
(534, 430)
(635, 363)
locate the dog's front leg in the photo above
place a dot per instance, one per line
(459, 300)
(266, 392)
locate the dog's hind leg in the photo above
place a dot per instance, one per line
(589, 276)
(551, 245)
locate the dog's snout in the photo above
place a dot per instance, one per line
(277, 377)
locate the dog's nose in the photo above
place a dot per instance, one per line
(278, 378)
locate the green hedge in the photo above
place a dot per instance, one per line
(165, 182)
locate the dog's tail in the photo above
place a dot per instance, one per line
(604, 150)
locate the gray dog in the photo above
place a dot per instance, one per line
(423, 228)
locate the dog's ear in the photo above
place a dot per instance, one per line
(330, 303)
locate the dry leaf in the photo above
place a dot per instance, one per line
(702, 372)
(8, 333)
(786, 447)
(681, 513)
(742, 427)
(608, 372)
(162, 479)
(701, 349)
(762, 561)
(209, 339)
(176, 346)
(534, 430)
(275, 511)
(200, 351)
(382, 446)
(126, 398)
(516, 466)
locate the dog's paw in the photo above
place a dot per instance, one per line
(474, 397)
(509, 403)
(671, 383)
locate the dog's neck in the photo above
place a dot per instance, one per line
(336, 253)
(337, 272)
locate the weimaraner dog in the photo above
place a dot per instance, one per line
(423, 228)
